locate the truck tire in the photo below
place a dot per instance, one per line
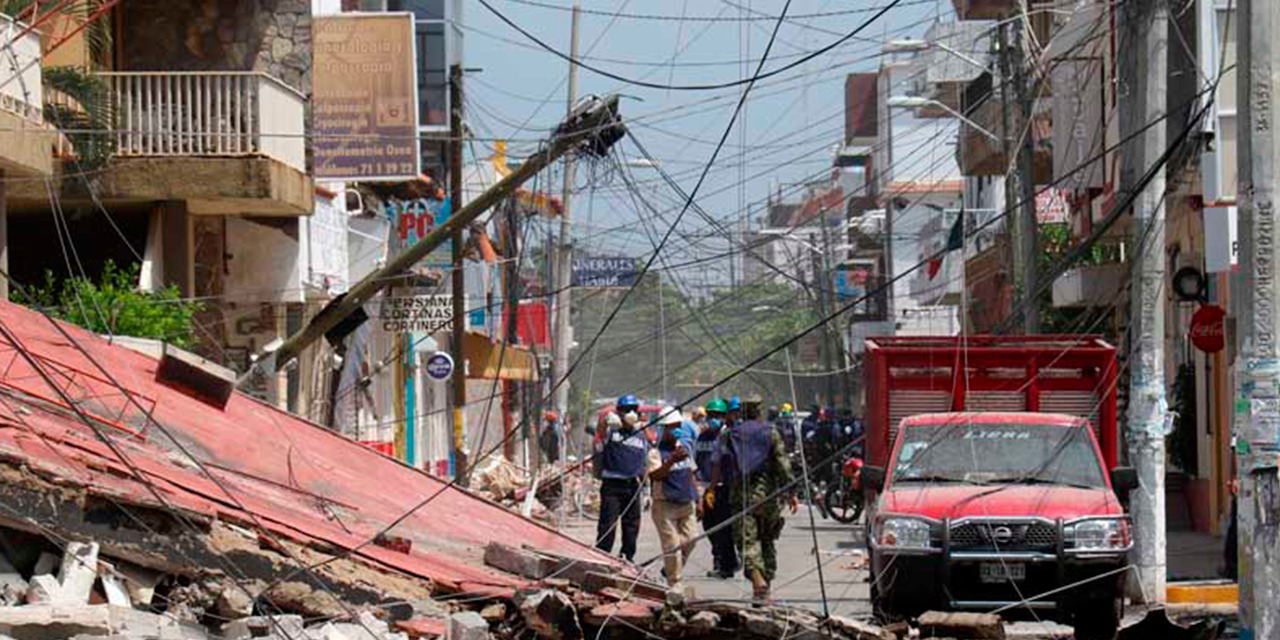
(1098, 619)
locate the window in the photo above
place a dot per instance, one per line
(433, 75)
(421, 9)
(998, 454)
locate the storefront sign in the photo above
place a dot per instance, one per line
(439, 365)
(417, 313)
(1207, 329)
(365, 98)
(416, 219)
(604, 272)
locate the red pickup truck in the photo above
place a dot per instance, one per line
(980, 499)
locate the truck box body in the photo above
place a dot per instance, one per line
(1065, 374)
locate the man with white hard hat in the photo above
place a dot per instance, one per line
(675, 493)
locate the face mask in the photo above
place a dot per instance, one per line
(631, 419)
(715, 423)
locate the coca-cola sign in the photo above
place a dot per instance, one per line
(1208, 331)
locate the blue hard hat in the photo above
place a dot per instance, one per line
(735, 403)
(628, 400)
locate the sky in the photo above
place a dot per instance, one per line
(790, 124)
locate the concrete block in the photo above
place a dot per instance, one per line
(468, 625)
(49, 622)
(257, 626)
(702, 623)
(79, 571)
(234, 603)
(979, 626)
(44, 589)
(141, 583)
(518, 561)
(860, 629)
(551, 614)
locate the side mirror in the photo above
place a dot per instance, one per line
(1124, 479)
(872, 478)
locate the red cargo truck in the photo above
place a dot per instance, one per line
(993, 477)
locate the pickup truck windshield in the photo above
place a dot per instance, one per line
(998, 454)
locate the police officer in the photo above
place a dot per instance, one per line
(623, 456)
(754, 465)
(786, 426)
(724, 555)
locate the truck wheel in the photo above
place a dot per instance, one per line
(1099, 620)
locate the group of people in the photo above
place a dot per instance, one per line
(724, 465)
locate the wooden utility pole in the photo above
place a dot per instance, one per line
(1029, 231)
(511, 309)
(564, 253)
(457, 131)
(1147, 87)
(592, 129)
(1258, 369)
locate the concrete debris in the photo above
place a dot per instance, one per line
(976, 626)
(284, 626)
(702, 623)
(113, 587)
(860, 630)
(234, 603)
(496, 612)
(631, 613)
(468, 625)
(423, 627)
(44, 589)
(79, 571)
(521, 562)
(46, 565)
(551, 614)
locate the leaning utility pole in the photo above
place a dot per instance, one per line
(1029, 243)
(456, 134)
(1258, 368)
(591, 129)
(564, 253)
(1147, 404)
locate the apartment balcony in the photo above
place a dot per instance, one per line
(225, 143)
(24, 136)
(981, 154)
(983, 9)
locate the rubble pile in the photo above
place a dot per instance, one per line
(506, 483)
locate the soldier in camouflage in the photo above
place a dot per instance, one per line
(755, 465)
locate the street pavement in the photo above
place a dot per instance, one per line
(840, 548)
(844, 576)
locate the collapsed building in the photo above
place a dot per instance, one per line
(141, 497)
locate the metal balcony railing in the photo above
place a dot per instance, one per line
(206, 113)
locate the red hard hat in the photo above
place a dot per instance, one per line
(551, 415)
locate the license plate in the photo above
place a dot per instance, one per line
(990, 572)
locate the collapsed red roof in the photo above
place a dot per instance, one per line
(298, 480)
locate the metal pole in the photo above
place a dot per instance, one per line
(564, 254)
(1258, 372)
(1147, 405)
(457, 132)
(1017, 223)
(1029, 245)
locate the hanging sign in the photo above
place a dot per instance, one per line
(439, 365)
(1207, 329)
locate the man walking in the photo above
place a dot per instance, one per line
(724, 555)
(675, 494)
(755, 466)
(623, 456)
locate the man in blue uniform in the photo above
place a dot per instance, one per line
(723, 553)
(623, 457)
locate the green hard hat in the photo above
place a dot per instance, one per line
(717, 406)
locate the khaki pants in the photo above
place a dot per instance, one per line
(676, 524)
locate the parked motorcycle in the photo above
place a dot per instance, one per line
(842, 500)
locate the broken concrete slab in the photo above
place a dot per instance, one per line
(423, 627)
(284, 626)
(233, 603)
(522, 562)
(495, 612)
(115, 590)
(141, 583)
(860, 629)
(13, 587)
(951, 624)
(468, 625)
(597, 582)
(46, 622)
(79, 571)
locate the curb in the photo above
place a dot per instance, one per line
(1202, 593)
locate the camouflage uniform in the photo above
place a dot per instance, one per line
(757, 533)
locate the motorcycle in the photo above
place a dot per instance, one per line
(842, 499)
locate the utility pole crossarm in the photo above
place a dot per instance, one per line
(591, 129)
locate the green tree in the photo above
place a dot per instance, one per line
(115, 305)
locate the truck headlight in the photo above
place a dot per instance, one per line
(904, 533)
(1099, 534)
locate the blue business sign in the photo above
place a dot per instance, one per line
(605, 272)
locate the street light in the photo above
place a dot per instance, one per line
(917, 102)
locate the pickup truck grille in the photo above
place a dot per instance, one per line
(1006, 536)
